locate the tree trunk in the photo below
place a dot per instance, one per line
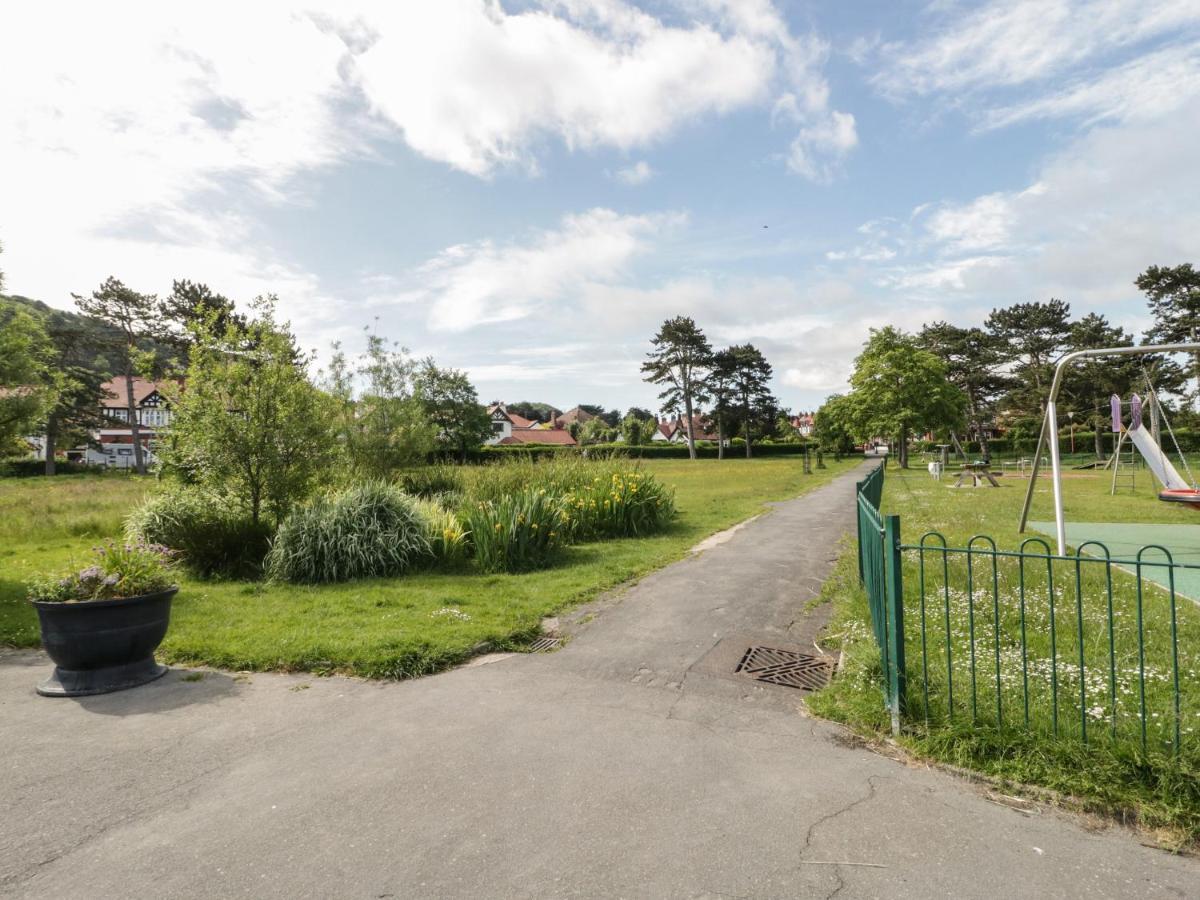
(1099, 440)
(748, 453)
(904, 447)
(720, 438)
(135, 428)
(51, 442)
(691, 439)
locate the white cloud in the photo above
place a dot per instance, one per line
(1004, 43)
(638, 173)
(483, 283)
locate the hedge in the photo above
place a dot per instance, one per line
(663, 450)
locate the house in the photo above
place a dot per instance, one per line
(675, 430)
(115, 437)
(802, 423)
(510, 428)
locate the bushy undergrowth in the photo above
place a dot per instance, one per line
(444, 530)
(521, 531)
(368, 531)
(211, 536)
(628, 503)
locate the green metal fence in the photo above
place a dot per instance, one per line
(1081, 647)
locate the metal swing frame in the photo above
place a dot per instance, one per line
(1049, 432)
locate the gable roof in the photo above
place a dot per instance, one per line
(112, 392)
(540, 436)
(573, 415)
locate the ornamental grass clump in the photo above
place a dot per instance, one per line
(371, 530)
(522, 531)
(621, 503)
(120, 571)
(444, 530)
(211, 535)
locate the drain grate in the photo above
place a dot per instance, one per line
(786, 667)
(544, 643)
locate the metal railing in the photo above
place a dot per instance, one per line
(1079, 647)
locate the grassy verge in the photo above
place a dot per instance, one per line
(390, 628)
(1111, 772)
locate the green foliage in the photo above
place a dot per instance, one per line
(740, 386)
(29, 385)
(381, 423)
(1036, 334)
(634, 430)
(626, 503)
(120, 570)
(452, 407)
(679, 362)
(251, 427)
(372, 530)
(596, 431)
(444, 530)
(834, 424)
(211, 535)
(519, 531)
(433, 481)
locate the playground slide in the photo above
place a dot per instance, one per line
(1157, 460)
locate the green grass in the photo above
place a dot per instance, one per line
(388, 628)
(1112, 772)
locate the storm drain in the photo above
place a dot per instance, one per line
(786, 667)
(544, 643)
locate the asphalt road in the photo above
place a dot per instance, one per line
(631, 763)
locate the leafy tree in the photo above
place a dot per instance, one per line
(611, 417)
(749, 383)
(1173, 294)
(574, 430)
(382, 424)
(679, 361)
(250, 425)
(1090, 382)
(643, 414)
(76, 412)
(633, 430)
(538, 412)
(452, 406)
(596, 431)
(191, 303)
(29, 385)
(898, 389)
(134, 321)
(1037, 333)
(973, 359)
(719, 389)
(834, 424)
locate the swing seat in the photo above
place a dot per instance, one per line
(1188, 496)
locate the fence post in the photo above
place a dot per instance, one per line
(894, 592)
(858, 489)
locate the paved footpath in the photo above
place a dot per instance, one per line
(631, 763)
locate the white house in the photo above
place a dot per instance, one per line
(115, 437)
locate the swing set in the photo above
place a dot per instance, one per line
(1175, 488)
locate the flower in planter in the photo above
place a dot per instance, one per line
(120, 571)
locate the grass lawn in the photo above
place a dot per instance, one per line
(1111, 771)
(384, 628)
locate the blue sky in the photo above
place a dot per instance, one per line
(526, 189)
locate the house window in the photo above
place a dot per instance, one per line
(497, 427)
(125, 451)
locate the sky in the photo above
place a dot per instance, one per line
(526, 190)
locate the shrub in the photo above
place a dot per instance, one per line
(120, 571)
(433, 481)
(626, 503)
(211, 536)
(521, 531)
(368, 531)
(445, 532)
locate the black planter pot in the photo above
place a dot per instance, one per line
(100, 646)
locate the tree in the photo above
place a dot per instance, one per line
(973, 359)
(1091, 381)
(898, 388)
(611, 417)
(191, 303)
(248, 424)
(679, 361)
(1173, 294)
(1037, 333)
(135, 321)
(719, 388)
(749, 376)
(452, 406)
(29, 384)
(538, 412)
(633, 430)
(596, 431)
(76, 412)
(381, 422)
(643, 414)
(834, 424)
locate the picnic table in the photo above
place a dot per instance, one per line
(978, 472)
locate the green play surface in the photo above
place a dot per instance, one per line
(1125, 539)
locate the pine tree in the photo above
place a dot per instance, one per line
(680, 361)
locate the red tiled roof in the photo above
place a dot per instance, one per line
(540, 436)
(112, 392)
(573, 415)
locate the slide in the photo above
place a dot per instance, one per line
(1157, 460)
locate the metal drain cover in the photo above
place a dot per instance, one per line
(544, 643)
(785, 667)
